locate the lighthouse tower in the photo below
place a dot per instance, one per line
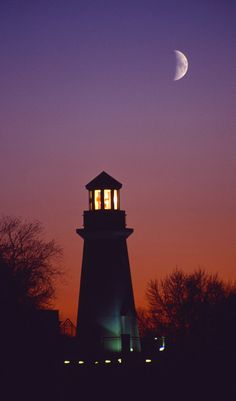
(106, 313)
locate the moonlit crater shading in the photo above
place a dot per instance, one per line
(181, 65)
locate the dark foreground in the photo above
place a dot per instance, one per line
(168, 377)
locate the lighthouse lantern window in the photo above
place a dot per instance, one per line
(104, 199)
(115, 199)
(90, 200)
(107, 199)
(97, 199)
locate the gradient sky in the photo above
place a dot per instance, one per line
(87, 86)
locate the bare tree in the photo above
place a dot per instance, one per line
(189, 305)
(145, 323)
(29, 265)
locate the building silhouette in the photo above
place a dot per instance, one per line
(106, 312)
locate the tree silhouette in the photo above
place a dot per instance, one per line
(190, 309)
(29, 265)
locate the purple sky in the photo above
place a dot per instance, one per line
(88, 86)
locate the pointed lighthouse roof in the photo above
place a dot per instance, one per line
(103, 181)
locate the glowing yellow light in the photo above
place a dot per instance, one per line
(81, 362)
(97, 199)
(107, 199)
(66, 362)
(131, 349)
(115, 199)
(148, 360)
(161, 348)
(107, 361)
(119, 360)
(96, 362)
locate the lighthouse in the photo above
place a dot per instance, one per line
(106, 311)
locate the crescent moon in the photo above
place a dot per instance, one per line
(181, 65)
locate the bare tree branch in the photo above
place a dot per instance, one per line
(34, 264)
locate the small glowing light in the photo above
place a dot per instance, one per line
(148, 360)
(119, 360)
(96, 362)
(131, 349)
(81, 362)
(162, 347)
(155, 338)
(107, 361)
(66, 362)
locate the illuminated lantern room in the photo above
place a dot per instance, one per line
(104, 193)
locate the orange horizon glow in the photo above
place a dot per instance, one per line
(156, 249)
